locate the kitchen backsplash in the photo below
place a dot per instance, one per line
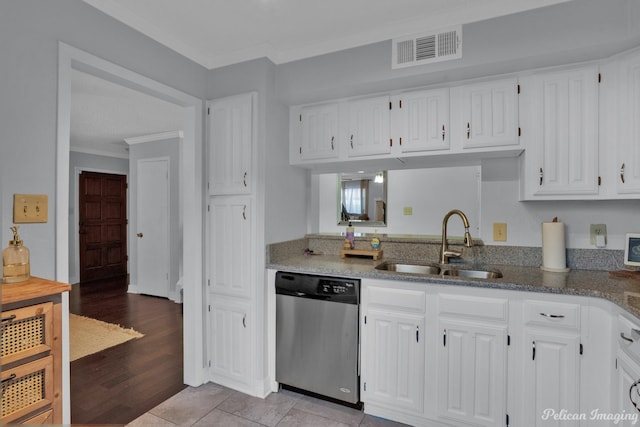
(427, 248)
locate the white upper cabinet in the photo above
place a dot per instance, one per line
(318, 132)
(485, 114)
(368, 122)
(626, 171)
(420, 120)
(231, 141)
(562, 133)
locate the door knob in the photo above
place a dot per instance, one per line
(139, 235)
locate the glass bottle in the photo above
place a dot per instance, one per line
(15, 260)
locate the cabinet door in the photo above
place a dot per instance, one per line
(230, 344)
(627, 175)
(472, 373)
(421, 120)
(551, 376)
(231, 139)
(628, 374)
(393, 373)
(566, 126)
(319, 132)
(230, 237)
(368, 126)
(488, 114)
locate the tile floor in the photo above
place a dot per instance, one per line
(213, 405)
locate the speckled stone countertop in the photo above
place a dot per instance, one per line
(623, 292)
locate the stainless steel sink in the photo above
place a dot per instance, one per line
(396, 267)
(474, 274)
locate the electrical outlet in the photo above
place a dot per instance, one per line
(408, 210)
(499, 231)
(596, 230)
(29, 208)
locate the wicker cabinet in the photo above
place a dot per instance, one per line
(31, 352)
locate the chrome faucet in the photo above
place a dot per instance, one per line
(445, 253)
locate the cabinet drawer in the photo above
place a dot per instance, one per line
(45, 418)
(552, 314)
(26, 388)
(26, 332)
(494, 309)
(405, 299)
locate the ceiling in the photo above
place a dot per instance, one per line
(104, 114)
(215, 33)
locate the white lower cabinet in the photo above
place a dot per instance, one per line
(231, 342)
(439, 355)
(472, 373)
(551, 377)
(392, 334)
(395, 373)
(628, 372)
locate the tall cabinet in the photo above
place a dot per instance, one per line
(232, 261)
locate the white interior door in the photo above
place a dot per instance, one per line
(152, 254)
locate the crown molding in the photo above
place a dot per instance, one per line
(152, 137)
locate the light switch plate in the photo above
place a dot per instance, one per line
(408, 210)
(499, 231)
(30, 208)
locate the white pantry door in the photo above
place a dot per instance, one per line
(153, 227)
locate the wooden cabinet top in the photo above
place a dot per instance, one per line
(35, 287)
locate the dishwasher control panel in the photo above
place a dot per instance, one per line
(335, 287)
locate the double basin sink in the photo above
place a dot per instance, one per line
(435, 269)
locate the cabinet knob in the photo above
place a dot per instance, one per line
(332, 139)
(622, 173)
(244, 212)
(443, 132)
(351, 141)
(140, 235)
(468, 130)
(244, 179)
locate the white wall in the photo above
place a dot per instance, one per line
(430, 193)
(30, 31)
(500, 204)
(493, 199)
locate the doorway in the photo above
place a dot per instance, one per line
(192, 203)
(102, 233)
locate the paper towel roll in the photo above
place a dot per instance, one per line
(554, 257)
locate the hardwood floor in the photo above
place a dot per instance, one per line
(117, 385)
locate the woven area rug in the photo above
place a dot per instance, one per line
(88, 336)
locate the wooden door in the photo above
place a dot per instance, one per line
(103, 226)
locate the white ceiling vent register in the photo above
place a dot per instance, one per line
(435, 46)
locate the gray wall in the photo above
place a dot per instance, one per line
(89, 162)
(171, 149)
(568, 32)
(285, 186)
(29, 34)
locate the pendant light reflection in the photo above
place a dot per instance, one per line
(379, 178)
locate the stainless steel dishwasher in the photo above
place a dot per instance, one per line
(317, 335)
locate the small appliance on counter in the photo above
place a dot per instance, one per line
(15, 260)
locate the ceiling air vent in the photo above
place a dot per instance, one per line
(436, 46)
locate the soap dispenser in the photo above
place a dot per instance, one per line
(15, 260)
(351, 236)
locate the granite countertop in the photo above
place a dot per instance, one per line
(623, 292)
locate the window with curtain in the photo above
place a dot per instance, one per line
(355, 198)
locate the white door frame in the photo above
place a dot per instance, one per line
(192, 191)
